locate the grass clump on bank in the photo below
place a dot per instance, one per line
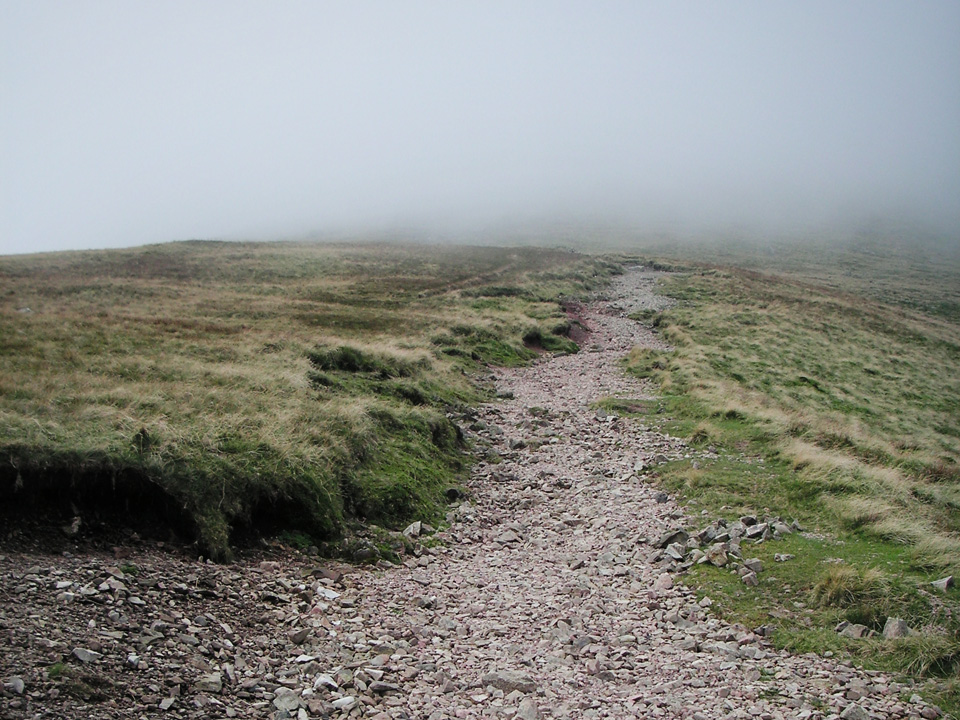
(836, 404)
(227, 389)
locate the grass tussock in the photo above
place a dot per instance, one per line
(845, 586)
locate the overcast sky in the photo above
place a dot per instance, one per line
(124, 123)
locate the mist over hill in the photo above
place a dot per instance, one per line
(132, 124)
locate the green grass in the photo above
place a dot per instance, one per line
(832, 396)
(231, 388)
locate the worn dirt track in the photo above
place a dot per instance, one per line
(540, 600)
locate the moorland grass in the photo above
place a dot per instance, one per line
(288, 387)
(832, 397)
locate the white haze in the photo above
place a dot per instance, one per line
(124, 123)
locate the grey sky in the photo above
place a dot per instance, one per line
(130, 122)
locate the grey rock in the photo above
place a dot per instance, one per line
(855, 630)
(528, 710)
(750, 579)
(663, 582)
(286, 699)
(754, 564)
(86, 656)
(347, 702)
(212, 683)
(510, 680)
(167, 703)
(707, 535)
(297, 637)
(854, 712)
(413, 529)
(895, 628)
(676, 535)
(675, 550)
(16, 684)
(324, 680)
(661, 497)
(717, 555)
(943, 584)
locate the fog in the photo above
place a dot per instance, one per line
(127, 123)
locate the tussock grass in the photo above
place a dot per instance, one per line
(844, 586)
(259, 387)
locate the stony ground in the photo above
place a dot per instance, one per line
(546, 597)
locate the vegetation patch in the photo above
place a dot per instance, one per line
(221, 391)
(833, 403)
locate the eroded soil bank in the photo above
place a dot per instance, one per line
(540, 600)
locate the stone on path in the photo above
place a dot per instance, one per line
(510, 680)
(16, 685)
(528, 710)
(663, 582)
(86, 656)
(855, 712)
(345, 703)
(212, 683)
(297, 637)
(286, 699)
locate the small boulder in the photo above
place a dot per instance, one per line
(676, 535)
(943, 584)
(854, 712)
(855, 630)
(16, 685)
(86, 656)
(286, 699)
(212, 683)
(663, 582)
(528, 710)
(348, 702)
(297, 637)
(895, 628)
(717, 555)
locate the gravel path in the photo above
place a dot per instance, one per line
(542, 599)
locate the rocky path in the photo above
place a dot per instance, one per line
(544, 599)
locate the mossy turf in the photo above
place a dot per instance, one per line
(234, 389)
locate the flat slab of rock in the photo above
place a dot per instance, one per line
(86, 656)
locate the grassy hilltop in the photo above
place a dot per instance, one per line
(229, 388)
(272, 387)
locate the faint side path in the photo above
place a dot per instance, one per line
(541, 602)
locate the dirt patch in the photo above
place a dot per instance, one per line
(579, 328)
